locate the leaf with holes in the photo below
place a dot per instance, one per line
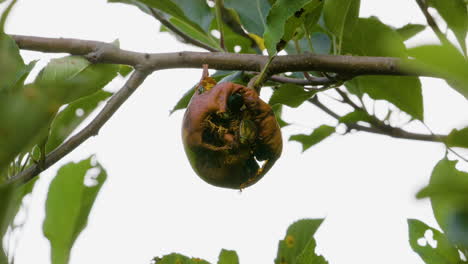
(279, 13)
(410, 30)
(319, 134)
(297, 242)
(291, 95)
(228, 257)
(444, 253)
(69, 201)
(73, 115)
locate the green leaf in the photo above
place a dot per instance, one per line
(184, 101)
(308, 255)
(69, 78)
(293, 27)
(340, 16)
(410, 30)
(278, 110)
(175, 258)
(444, 253)
(69, 201)
(253, 18)
(448, 191)
(196, 11)
(234, 39)
(12, 66)
(297, 241)
(458, 138)
(291, 95)
(276, 20)
(195, 33)
(69, 118)
(402, 91)
(356, 116)
(446, 61)
(319, 134)
(136, 3)
(228, 257)
(405, 92)
(370, 37)
(455, 14)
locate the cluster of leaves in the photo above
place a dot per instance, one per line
(298, 246)
(35, 118)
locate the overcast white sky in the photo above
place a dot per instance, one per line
(154, 204)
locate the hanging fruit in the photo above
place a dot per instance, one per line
(230, 135)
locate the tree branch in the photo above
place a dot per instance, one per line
(92, 129)
(353, 65)
(381, 129)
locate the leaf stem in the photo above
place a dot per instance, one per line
(219, 19)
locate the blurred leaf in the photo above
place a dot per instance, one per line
(444, 253)
(228, 257)
(297, 241)
(278, 110)
(355, 116)
(458, 138)
(69, 201)
(69, 78)
(69, 118)
(410, 30)
(11, 199)
(235, 77)
(5, 14)
(458, 228)
(319, 134)
(448, 191)
(233, 40)
(12, 66)
(276, 20)
(252, 13)
(340, 16)
(175, 258)
(402, 91)
(446, 61)
(291, 95)
(312, 17)
(24, 116)
(454, 12)
(405, 92)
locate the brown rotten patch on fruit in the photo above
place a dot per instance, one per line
(227, 131)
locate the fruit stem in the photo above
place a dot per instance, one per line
(257, 81)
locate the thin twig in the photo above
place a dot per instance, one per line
(431, 22)
(156, 14)
(283, 79)
(92, 129)
(385, 130)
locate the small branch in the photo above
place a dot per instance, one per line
(92, 129)
(431, 22)
(156, 14)
(382, 130)
(347, 65)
